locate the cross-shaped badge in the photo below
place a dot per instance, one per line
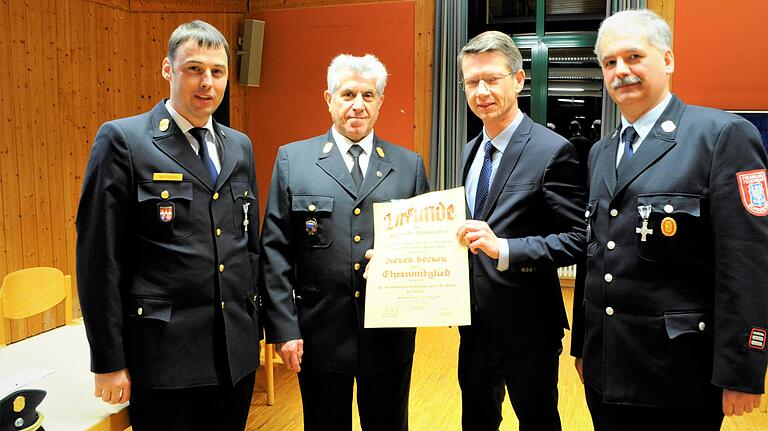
(645, 212)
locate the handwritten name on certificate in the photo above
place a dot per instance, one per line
(420, 274)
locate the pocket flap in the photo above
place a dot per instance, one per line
(144, 307)
(241, 189)
(679, 323)
(672, 203)
(519, 187)
(305, 202)
(164, 190)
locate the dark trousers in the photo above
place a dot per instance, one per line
(205, 408)
(619, 417)
(530, 375)
(382, 399)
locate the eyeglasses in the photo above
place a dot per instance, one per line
(471, 85)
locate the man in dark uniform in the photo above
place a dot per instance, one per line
(317, 226)
(167, 251)
(582, 145)
(671, 324)
(525, 197)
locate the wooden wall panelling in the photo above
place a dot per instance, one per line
(67, 150)
(77, 75)
(53, 184)
(285, 4)
(120, 4)
(11, 243)
(422, 77)
(180, 6)
(21, 68)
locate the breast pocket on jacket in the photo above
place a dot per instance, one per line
(676, 225)
(243, 207)
(165, 210)
(312, 216)
(518, 187)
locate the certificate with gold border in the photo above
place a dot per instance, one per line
(420, 273)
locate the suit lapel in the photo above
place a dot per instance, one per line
(226, 157)
(379, 166)
(468, 155)
(607, 162)
(659, 141)
(173, 143)
(329, 160)
(509, 159)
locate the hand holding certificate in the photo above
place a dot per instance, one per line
(420, 275)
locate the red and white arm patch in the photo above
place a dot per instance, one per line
(757, 339)
(753, 187)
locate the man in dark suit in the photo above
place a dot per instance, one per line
(671, 323)
(317, 226)
(526, 201)
(167, 251)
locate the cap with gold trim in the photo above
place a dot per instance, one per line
(17, 411)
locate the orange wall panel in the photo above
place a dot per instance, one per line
(298, 47)
(720, 56)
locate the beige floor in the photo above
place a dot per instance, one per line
(435, 396)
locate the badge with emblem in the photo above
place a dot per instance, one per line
(380, 152)
(757, 339)
(19, 403)
(311, 224)
(164, 124)
(165, 211)
(645, 212)
(668, 226)
(668, 126)
(327, 147)
(753, 187)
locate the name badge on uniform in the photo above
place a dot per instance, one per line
(167, 176)
(166, 211)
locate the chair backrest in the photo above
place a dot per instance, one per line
(31, 291)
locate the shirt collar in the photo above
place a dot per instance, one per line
(502, 139)
(344, 143)
(644, 124)
(183, 123)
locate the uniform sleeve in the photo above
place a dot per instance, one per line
(422, 184)
(253, 238)
(564, 194)
(278, 259)
(101, 227)
(741, 247)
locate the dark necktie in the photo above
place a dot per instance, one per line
(484, 181)
(199, 134)
(357, 173)
(628, 137)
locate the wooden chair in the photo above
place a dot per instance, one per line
(31, 291)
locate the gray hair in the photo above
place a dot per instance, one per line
(206, 36)
(367, 67)
(493, 41)
(655, 29)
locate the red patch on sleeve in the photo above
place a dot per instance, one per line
(753, 187)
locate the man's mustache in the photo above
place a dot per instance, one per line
(623, 82)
